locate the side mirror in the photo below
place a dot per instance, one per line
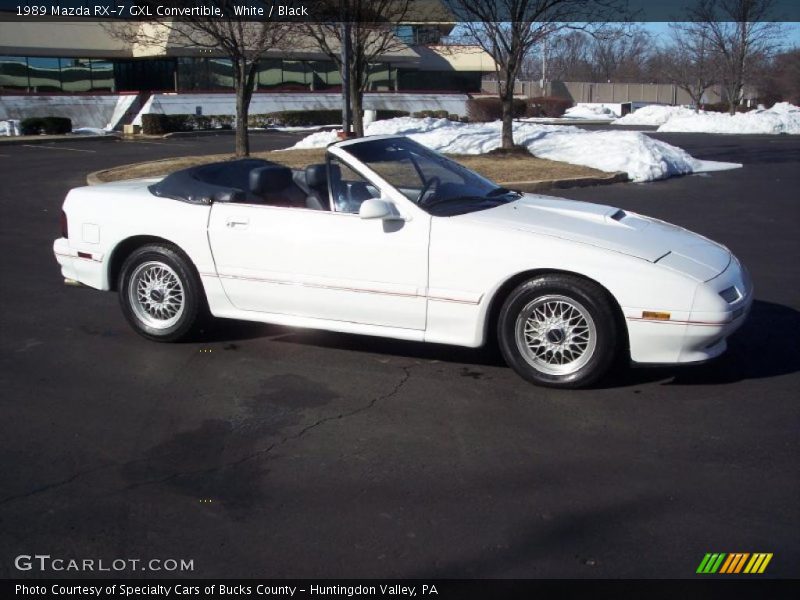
(373, 208)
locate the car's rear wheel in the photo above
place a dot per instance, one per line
(160, 294)
(558, 331)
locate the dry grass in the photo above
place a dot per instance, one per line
(510, 169)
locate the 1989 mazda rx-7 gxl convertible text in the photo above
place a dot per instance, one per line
(389, 238)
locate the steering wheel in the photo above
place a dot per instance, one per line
(430, 186)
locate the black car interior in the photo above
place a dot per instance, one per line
(249, 181)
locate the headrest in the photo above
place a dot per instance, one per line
(272, 178)
(317, 175)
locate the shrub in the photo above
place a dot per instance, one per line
(154, 124)
(453, 117)
(222, 122)
(46, 125)
(258, 121)
(201, 122)
(299, 118)
(382, 115)
(31, 126)
(722, 107)
(433, 114)
(57, 125)
(491, 109)
(548, 106)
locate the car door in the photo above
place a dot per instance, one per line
(324, 264)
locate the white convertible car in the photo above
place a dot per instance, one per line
(389, 238)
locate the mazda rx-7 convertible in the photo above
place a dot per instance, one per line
(389, 238)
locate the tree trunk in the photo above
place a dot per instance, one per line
(357, 102)
(507, 101)
(732, 101)
(243, 81)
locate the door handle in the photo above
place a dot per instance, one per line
(240, 222)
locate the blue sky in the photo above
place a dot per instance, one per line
(792, 32)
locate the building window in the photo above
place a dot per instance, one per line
(455, 81)
(193, 74)
(102, 75)
(220, 73)
(144, 75)
(294, 72)
(13, 73)
(379, 77)
(418, 35)
(44, 74)
(325, 74)
(76, 75)
(269, 73)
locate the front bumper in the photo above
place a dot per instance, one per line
(703, 333)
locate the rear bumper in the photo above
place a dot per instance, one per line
(84, 267)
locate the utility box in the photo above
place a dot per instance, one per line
(131, 129)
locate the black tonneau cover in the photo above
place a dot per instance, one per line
(215, 182)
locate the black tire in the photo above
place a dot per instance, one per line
(173, 282)
(582, 331)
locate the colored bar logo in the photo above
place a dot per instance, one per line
(734, 563)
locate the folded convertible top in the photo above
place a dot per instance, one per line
(215, 182)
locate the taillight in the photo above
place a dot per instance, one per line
(64, 226)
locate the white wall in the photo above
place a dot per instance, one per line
(101, 111)
(224, 104)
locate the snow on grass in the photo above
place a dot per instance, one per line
(781, 118)
(591, 111)
(641, 157)
(653, 115)
(90, 131)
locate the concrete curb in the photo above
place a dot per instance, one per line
(96, 177)
(561, 184)
(212, 132)
(55, 139)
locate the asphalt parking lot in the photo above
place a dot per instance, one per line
(269, 452)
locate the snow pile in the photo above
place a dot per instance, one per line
(90, 131)
(654, 114)
(590, 111)
(9, 128)
(781, 118)
(641, 157)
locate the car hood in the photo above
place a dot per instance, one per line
(612, 229)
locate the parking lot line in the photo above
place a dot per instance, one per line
(57, 148)
(158, 143)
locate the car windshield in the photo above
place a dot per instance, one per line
(438, 185)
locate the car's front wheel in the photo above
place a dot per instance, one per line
(160, 294)
(558, 331)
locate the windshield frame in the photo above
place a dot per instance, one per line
(468, 202)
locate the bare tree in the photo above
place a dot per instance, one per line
(780, 78)
(689, 60)
(508, 29)
(568, 58)
(737, 31)
(620, 54)
(243, 42)
(371, 34)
